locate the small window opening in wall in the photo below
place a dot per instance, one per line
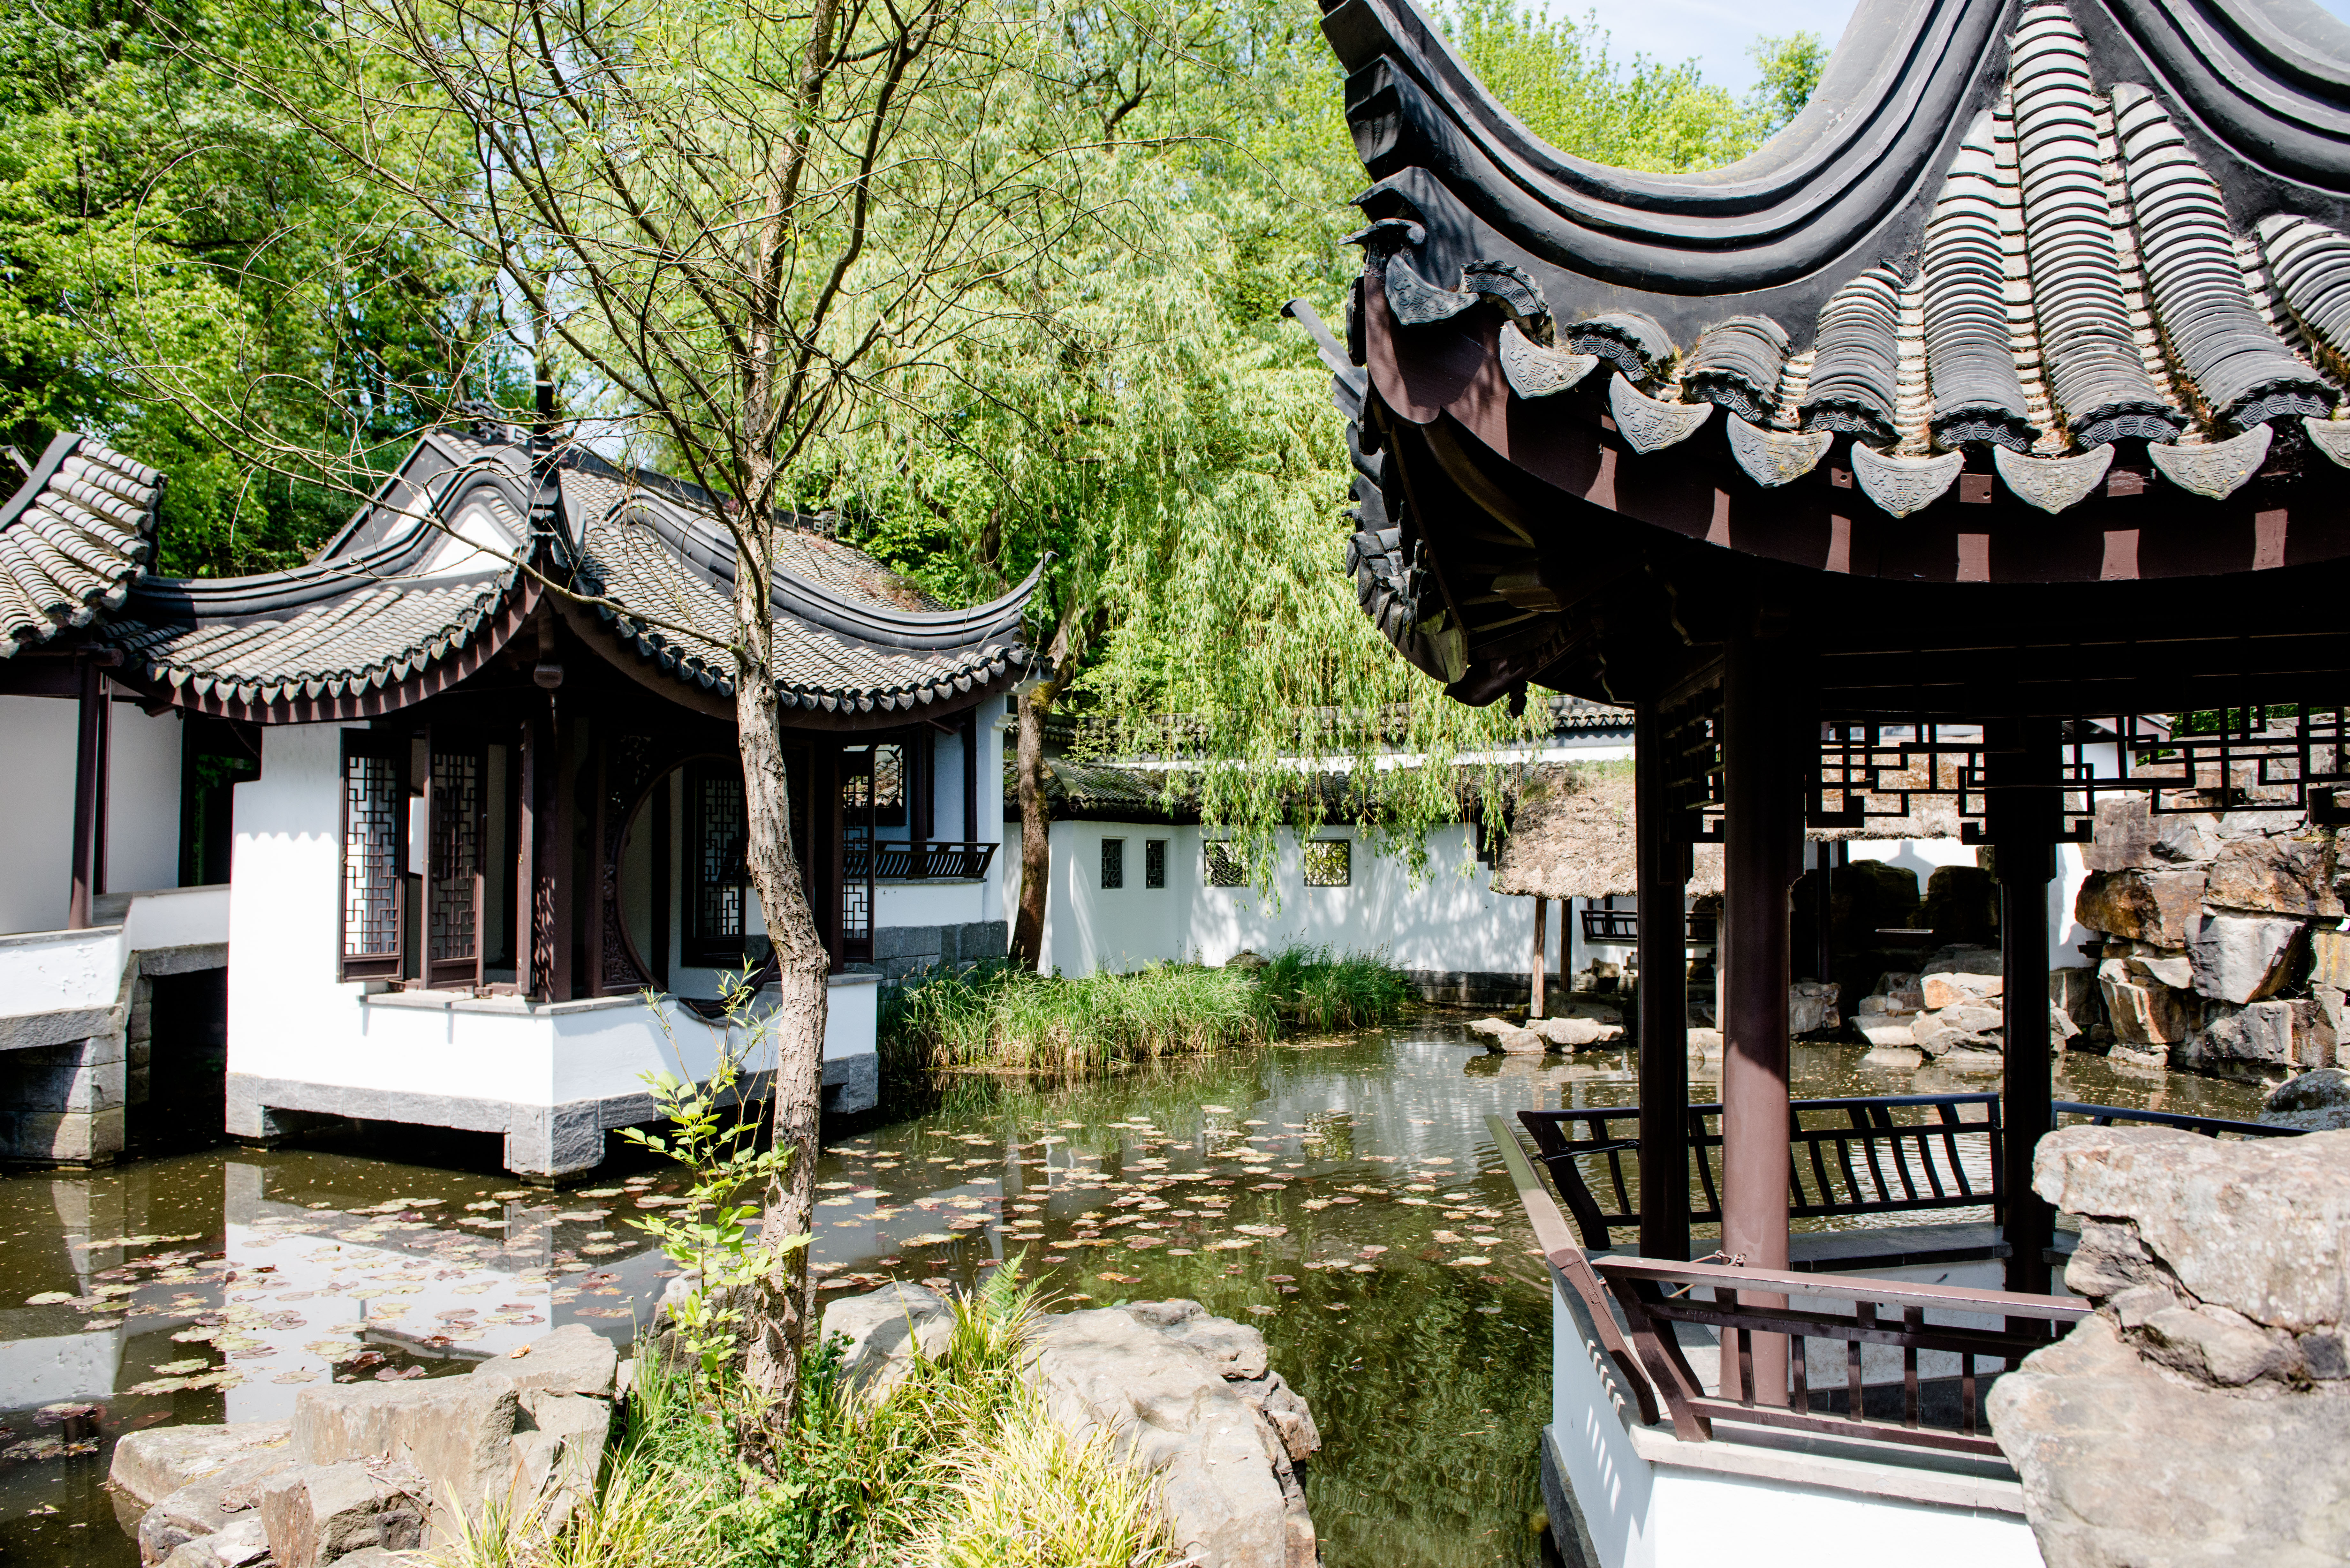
(1154, 863)
(1223, 866)
(1113, 863)
(1329, 862)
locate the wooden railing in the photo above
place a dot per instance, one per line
(1882, 1154)
(920, 860)
(1621, 928)
(1656, 1294)
(2209, 1127)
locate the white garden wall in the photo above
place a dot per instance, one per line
(38, 734)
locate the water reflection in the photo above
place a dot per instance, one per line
(1343, 1195)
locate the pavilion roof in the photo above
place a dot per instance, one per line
(439, 569)
(72, 539)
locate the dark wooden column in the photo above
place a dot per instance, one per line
(2025, 806)
(824, 846)
(542, 855)
(92, 733)
(1763, 824)
(1662, 870)
(970, 733)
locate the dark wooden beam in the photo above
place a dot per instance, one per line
(1663, 869)
(2026, 804)
(92, 731)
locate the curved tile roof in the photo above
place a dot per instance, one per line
(416, 588)
(2075, 276)
(72, 538)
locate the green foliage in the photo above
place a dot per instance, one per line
(1790, 67)
(1556, 74)
(999, 1015)
(153, 215)
(714, 1132)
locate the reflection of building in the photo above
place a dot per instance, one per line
(484, 792)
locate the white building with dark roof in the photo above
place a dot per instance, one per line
(437, 811)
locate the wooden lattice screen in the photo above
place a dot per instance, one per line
(375, 852)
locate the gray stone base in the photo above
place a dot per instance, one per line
(1478, 988)
(543, 1141)
(63, 1104)
(900, 951)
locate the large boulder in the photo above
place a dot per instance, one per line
(2329, 959)
(2316, 1101)
(2279, 1033)
(2161, 907)
(2242, 958)
(885, 1330)
(2148, 1018)
(457, 1431)
(1170, 1386)
(2275, 874)
(207, 1505)
(2201, 1416)
(149, 1465)
(315, 1514)
(573, 1359)
(2128, 837)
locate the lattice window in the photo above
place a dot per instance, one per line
(454, 860)
(1223, 865)
(886, 788)
(1154, 863)
(717, 875)
(1329, 862)
(1113, 863)
(375, 820)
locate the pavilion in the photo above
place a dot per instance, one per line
(1994, 406)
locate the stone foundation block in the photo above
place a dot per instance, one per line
(313, 1514)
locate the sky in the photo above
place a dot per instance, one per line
(1719, 32)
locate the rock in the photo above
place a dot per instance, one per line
(2123, 837)
(242, 1544)
(885, 1329)
(2202, 1415)
(1245, 960)
(1893, 1056)
(1884, 1032)
(2294, 1034)
(1235, 1350)
(2122, 1464)
(2316, 1101)
(1939, 991)
(377, 1557)
(456, 1430)
(1961, 904)
(1811, 1006)
(1897, 993)
(2241, 958)
(2162, 907)
(1705, 1041)
(1518, 1042)
(207, 1505)
(557, 1462)
(2145, 1015)
(2257, 1226)
(573, 1359)
(150, 1465)
(1574, 1033)
(1218, 1447)
(315, 1514)
(2329, 955)
(1961, 958)
(2280, 875)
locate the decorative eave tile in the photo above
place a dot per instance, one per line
(1534, 371)
(2217, 469)
(1904, 484)
(1651, 424)
(2052, 483)
(1772, 458)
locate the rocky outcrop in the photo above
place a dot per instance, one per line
(885, 1329)
(1190, 1397)
(378, 1468)
(1952, 1009)
(2202, 1415)
(2221, 951)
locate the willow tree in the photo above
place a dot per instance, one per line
(744, 227)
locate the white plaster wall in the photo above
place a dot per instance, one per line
(142, 812)
(58, 971)
(929, 903)
(287, 1015)
(36, 829)
(1451, 920)
(1001, 895)
(177, 918)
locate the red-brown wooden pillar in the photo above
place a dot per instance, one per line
(2025, 806)
(1662, 869)
(1762, 811)
(92, 733)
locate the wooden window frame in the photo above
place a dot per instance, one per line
(699, 948)
(1154, 863)
(1345, 858)
(1113, 865)
(1222, 865)
(393, 747)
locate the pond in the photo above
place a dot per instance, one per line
(1343, 1195)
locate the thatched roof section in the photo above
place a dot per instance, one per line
(1571, 835)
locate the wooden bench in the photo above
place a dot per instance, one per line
(1850, 1156)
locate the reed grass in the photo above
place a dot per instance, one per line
(998, 1015)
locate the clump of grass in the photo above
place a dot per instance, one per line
(997, 1015)
(861, 1480)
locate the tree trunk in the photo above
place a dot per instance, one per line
(778, 1321)
(1036, 829)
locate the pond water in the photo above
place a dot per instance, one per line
(1343, 1195)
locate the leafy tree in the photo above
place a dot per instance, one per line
(151, 214)
(1791, 66)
